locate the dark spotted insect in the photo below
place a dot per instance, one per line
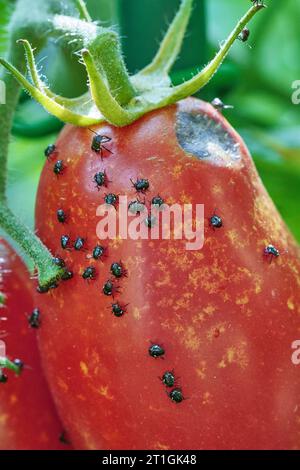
(141, 185)
(45, 289)
(89, 273)
(49, 151)
(109, 288)
(63, 438)
(3, 378)
(155, 350)
(157, 201)
(111, 199)
(65, 242)
(98, 252)
(61, 216)
(136, 207)
(215, 221)
(118, 270)
(79, 243)
(101, 179)
(67, 275)
(98, 143)
(271, 252)
(118, 310)
(176, 395)
(19, 364)
(168, 379)
(59, 262)
(59, 167)
(244, 35)
(219, 105)
(34, 318)
(150, 221)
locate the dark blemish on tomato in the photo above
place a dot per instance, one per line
(34, 318)
(207, 140)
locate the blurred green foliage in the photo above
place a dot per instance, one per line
(257, 79)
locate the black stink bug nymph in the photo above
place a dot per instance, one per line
(168, 379)
(271, 252)
(244, 35)
(155, 350)
(34, 318)
(49, 151)
(118, 310)
(61, 216)
(3, 378)
(65, 242)
(141, 185)
(118, 270)
(109, 288)
(59, 167)
(215, 221)
(89, 273)
(176, 395)
(100, 179)
(98, 252)
(98, 143)
(79, 243)
(111, 199)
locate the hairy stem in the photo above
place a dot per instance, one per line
(83, 11)
(31, 245)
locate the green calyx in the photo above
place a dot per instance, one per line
(113, 95)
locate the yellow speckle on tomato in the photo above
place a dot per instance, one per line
(84, 368)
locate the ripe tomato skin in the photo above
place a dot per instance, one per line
(225, 315)
(28, 419)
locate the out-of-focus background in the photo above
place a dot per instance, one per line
(256, 79)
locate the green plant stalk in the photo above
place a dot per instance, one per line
(32, 246)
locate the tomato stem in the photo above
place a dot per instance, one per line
(83, 11)
(31, 245)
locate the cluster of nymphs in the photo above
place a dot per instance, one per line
(168, 378)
